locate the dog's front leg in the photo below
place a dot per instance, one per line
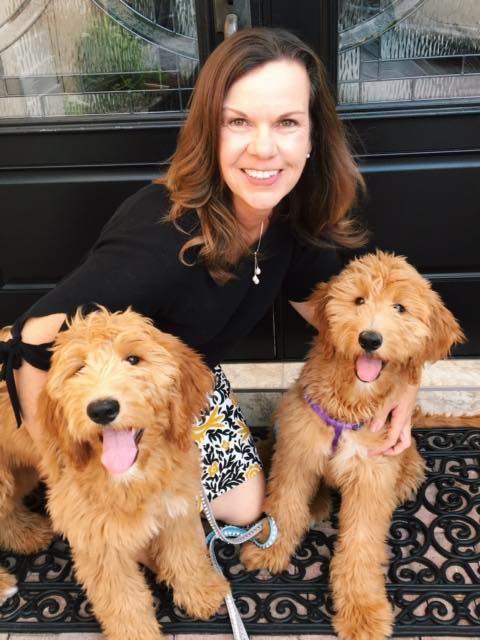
(20, 529)
(119, 595)
(293, 481)
(356, 571)
(8, 585)
(180, 556)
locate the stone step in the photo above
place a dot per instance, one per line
(450, 387)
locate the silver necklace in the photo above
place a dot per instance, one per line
(256, 269)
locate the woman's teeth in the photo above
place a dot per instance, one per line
(260, 175)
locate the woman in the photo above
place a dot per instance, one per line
(256, 196)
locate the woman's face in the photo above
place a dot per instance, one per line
(265, 137)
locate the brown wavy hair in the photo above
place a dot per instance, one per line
(317, 207)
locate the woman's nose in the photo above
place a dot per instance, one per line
(262, 142)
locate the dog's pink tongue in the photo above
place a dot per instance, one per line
(119, 449)
(368, 368)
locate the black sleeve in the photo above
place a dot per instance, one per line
(131, 264)
(310, 265)
(127, 266)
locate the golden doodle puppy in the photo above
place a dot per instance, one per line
(379, 321)
(122, 469)
(20, 530)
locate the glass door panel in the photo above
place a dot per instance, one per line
(96, 57)
(408, 50)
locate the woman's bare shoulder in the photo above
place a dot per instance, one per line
(38, 330)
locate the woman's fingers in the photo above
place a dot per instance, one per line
(404, 441)
(399, 435)
(379, 420)
(394, 439)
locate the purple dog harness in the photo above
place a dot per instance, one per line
(339, 426)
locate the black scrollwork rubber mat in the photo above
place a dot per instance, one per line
(433, 579)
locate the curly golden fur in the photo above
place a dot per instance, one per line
(20, 530)
(378, 293)
(113, 518)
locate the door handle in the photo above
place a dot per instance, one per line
(231, 24)
(230, 16)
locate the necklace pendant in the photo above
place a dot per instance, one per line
(256, 269)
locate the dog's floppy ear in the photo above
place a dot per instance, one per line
(194, 384)
(444, 330)
(318, 300)
(58, 447)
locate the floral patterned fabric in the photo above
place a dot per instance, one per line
(228, 453)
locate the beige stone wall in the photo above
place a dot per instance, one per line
(449, 387)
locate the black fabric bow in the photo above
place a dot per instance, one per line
(12, 353)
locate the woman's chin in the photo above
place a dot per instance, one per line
(258, 203)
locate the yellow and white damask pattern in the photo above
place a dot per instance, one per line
(228, 453)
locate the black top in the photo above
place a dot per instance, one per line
(135, 263)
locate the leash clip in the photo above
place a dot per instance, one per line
(272, 536)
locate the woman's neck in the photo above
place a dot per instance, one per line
(253, 234)
(252, 222)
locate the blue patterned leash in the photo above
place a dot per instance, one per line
(236, 536)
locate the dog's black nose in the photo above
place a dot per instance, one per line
(370, 340)
(103, 411)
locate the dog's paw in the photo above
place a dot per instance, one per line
(405, 494)
(408, 487)
(202, 598)
(8, 586)
(275, 558)
(319, 514)
(33, 534)
(131, 628)
(365, 621)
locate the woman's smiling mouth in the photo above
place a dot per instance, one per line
(261, 175)
(265, 178)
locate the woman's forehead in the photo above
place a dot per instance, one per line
(282, 86)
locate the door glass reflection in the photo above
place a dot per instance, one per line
(408, 50)
(96, 57)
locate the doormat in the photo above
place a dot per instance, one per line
(432, 580)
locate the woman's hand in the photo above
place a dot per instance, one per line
(399, 435)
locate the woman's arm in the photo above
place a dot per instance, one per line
(30, 380)
(305, 309)
(127, 266)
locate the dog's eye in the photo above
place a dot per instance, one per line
(77, 367)
(133, 359)
(359, 301)
(399, 307)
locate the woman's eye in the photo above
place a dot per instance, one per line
(359, 301)
(237, 123)
(288, 122)
(133, 360)
(399, 307)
